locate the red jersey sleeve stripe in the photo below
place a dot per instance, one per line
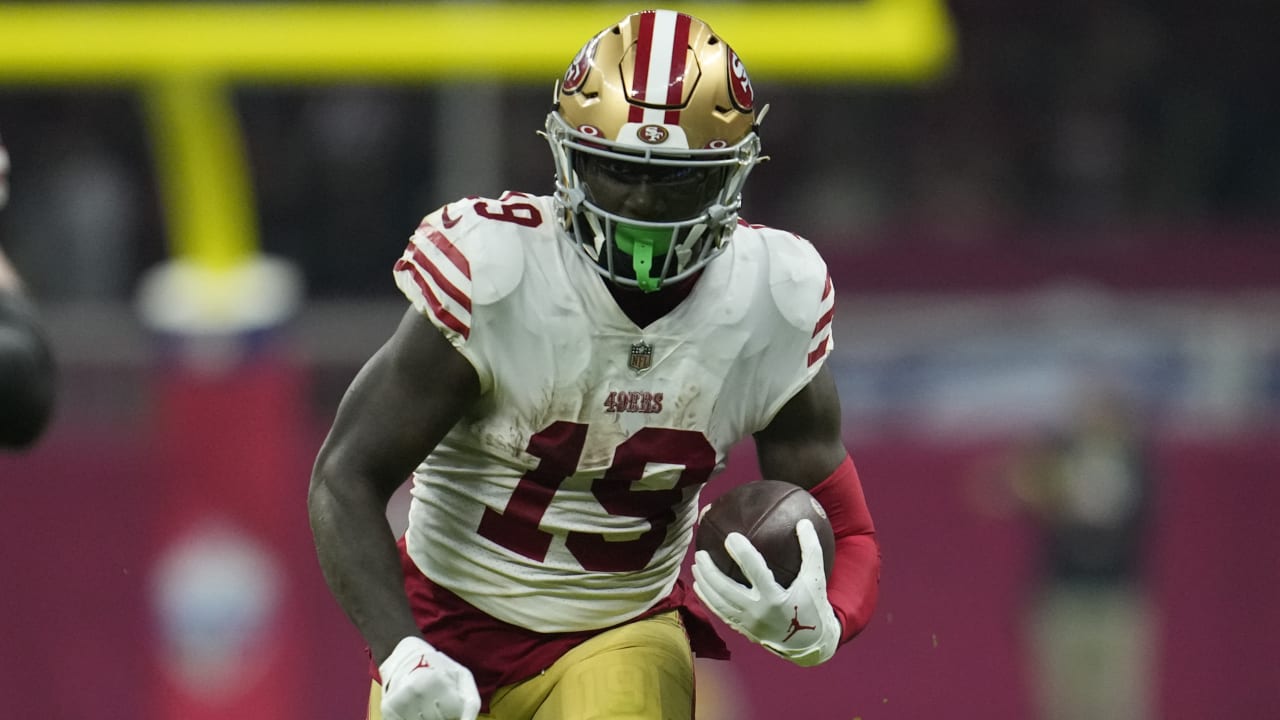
(824, 321)
(445, 317)
(450, 251)
(819, 352)
(460, 297)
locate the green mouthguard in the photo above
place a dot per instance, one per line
(642, 244)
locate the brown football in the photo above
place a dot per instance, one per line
(766, 512)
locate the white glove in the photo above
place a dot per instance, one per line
(797, 623)
(422, 683)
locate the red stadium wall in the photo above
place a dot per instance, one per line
(80, 518)
(946, 639)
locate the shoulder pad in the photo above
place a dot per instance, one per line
(481, 237)
(468, 254)
(798, 278)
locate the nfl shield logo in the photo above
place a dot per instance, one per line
(641, 357)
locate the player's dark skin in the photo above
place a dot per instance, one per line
(417, 386)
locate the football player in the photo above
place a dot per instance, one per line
(572, 370)
(26, 363)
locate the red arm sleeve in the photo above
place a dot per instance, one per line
(854, 586)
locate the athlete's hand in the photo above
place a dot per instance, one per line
(422, 683)
(795, 622)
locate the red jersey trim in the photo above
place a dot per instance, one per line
(499, 653)
(445, 317)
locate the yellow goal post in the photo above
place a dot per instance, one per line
(182, 57)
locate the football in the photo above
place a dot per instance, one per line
(766, 512)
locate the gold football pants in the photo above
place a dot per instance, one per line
(639, 671)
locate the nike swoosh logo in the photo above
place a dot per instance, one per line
(448, 222)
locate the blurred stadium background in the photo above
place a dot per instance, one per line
(1023, 204)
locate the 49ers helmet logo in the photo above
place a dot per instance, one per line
(581, 65)
(744, 97)
(652, 134)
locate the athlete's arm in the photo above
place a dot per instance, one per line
(403, 401)
(803, 442)
(806, 621)
(803, 445)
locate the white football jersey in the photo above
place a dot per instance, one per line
(566, 500)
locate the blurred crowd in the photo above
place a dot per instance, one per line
(1138, 116)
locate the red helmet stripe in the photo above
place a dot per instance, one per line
(662, 47)
(679, 55)
(644, 53)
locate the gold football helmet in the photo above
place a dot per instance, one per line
(657, 99)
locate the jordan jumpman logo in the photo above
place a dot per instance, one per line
(795, 626)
